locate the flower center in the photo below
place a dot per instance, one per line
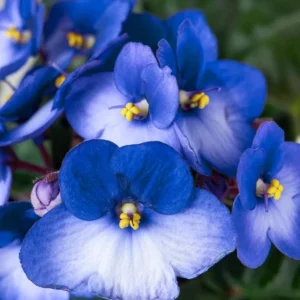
(129, 216)
(189, 101)
(272, 190)
(21, 37)
(60, 80)
(80, 42)
(138, 110)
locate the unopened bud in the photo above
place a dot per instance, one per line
(45, 194)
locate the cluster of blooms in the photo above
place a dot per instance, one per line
(167, 128)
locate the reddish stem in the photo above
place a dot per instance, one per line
(45, 155)
(23, 165)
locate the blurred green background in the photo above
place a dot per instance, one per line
(264, 34)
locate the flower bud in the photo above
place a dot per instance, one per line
(45, 194)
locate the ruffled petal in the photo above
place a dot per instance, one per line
(29, 94)
(137, 24)
(166, 56)
(195, 239)
(88, 186)
(90, 112)
(284, 215)
(32, 128)
(161, 92)
(14, 284)
(71, 256)
(250, 169)
(243, 86)
(204, 33)
(218, 133)
(133, 58)
(162, 182)
(253, 243)
(190, 56)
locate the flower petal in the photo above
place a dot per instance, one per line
(197, 238)
(87, 184)
(137, 24)
(190, 59)
(133, 58)
(32, 128)
(162, 94)
(243, 86)
(96, 257)
(14, 284)
(163, 181)
(218, 133)
(253, 243)
(284, 221)
(251, 167)
(5, 182)
(166, 56)
(204, 33)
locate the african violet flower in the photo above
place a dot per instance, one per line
(219, 99)
(121, 108)
(15, 221)
(5, 177)
(267, 208)
(82, 27)
(21, 24)
(130, 223)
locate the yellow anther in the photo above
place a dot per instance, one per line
(130, 111)
(18, 36)
(60, 80)
(7, 98)
(275, 189)
(129, 216)
(78, 41)
(201, 100)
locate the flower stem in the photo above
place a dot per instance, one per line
(45, 155)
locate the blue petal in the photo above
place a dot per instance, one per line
(88, 185)
(244, 86)
(269, 137)
(166, 56)
(133, 58)
(29, 94)
(34, 127)
(109, 25)
(250, 169)
(218, 133)
(15, 285)
(197, 238)
(190, 56)
(10, 15)
(253, 243)
(204, 33)
(39, 16)
(71, 255)
(284, 219)
(15, 221)
(5, 181)
(27, 8)
(163, 181)
(138, 24)
(162, 94)
(90, 113)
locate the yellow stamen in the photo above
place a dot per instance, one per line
(80, 42)
(275, 189)
(60, 80)
(7, 98)
(129, 216)
(201, 100)
(18, 36)
(130, 111)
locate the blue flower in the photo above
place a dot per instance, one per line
(82, 27)
(15, 221)
(130, 224)
(267, 208)
(21, 24)
(219, 99)
(121, 108)
(5, 177)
